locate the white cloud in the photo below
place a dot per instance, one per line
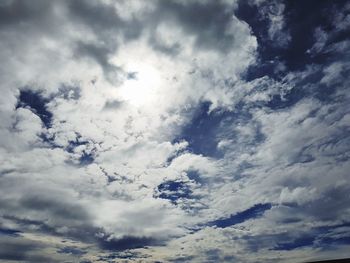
(121, 80)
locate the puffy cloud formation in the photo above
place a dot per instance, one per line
(174, 131)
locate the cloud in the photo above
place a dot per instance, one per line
(273, 13)
(173, 131)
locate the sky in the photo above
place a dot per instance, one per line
(174, 130)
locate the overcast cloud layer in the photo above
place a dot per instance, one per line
(174, 131)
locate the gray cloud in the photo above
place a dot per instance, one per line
(207, 21)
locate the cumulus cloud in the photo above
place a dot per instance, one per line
(153, 131)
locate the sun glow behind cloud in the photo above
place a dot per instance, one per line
(142, 87)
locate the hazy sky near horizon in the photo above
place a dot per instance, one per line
(174, 131)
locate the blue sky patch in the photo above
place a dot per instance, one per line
(36, 102)
(9, 232)
(254, 212)
(71, 250)
(125, 243)
(173, 191)
(200, 131)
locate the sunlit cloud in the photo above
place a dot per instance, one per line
(174, 131)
